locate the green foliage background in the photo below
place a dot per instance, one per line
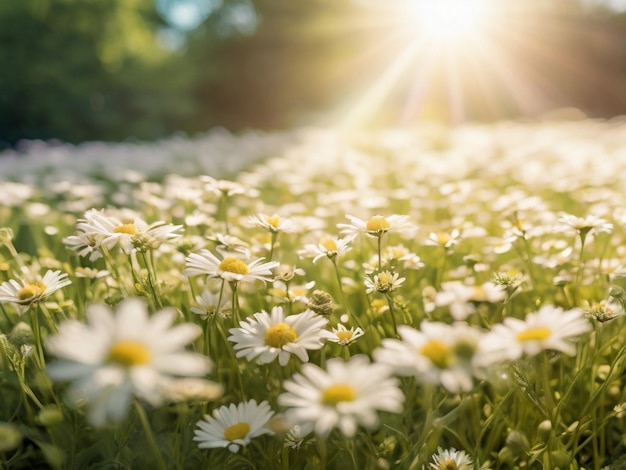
(79, 70)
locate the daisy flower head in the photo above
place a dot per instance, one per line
(437, 353)
(384, 282)
(550, 328)
(27, 292)
(605, 310)
(222, 187)
(121, 354)
(233, 426)
(460, 297)
(584, 225)
(274, 223)
(344, 396)
(377, 225)
(342, 335)
(328, 246)
(207, 304)
(446, 459)
(230, 268)
(267, 336)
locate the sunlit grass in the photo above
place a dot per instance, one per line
(432, 298)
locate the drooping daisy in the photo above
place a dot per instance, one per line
(342, 335)
(377, 225)
(233, 426)
(344, 396)
(550, 328)
(451, 459)
(207, 304)
(231, 268)
(265, 336)
(121, 354)
(328, 246)
(437, 353)
(26, 292)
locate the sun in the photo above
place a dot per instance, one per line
(449, 20)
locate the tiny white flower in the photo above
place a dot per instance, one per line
(121, 354)
(342, 335)
(233, 426)
(26, 292)
(329, 247)
(384, 282)
(377, 225)
(451, 459)
(344, 396)
(274, 223)
(265, 337)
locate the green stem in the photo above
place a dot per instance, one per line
(392, 312)
(145, 424)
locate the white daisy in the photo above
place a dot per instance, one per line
(584, 225)
(345, 395)
(233, 426)
(451, 459)
(342, 335)
(118, 355)
(377, 225)
(437, 353)
(26, 292)
(231, 268)
(384, 282)
(222, 187)
(328, 246)
(274, 223)
(98, 229)
(207, 305)
(460, 297)
(265, 336)
(551, 328)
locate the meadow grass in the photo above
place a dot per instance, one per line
(434, 298)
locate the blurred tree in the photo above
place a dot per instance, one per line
(79, 69)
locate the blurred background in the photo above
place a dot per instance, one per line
(125, 70)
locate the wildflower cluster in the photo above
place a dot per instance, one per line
(391, 305)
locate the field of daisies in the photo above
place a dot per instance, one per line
(424, 299)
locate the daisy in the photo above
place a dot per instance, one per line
(460, 298)
(443, 239)
(233, 426)
(231, 268)
(121, 354)
(27, 292)
(341, 335)
(551, 328)
(345, 395)
(274, 223)
(97, 230)
(584, 226)
(222, 187)
(384, 282)
(296, 436)
(328, 246)
(265, 336)
(451, 459)
(437, 353)
(377, 225)
(207, 304)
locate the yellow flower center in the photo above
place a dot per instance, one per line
(279, 335)
(377, 224)
(450, 464)
(129, 353)
(236, 431)
(233, 265)
(129, 229)
(337, 393)
(534, 334)
(443, 238)
(31, 290)
(273, 221)
(344, 335)
(437, 352)
(329, 244)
